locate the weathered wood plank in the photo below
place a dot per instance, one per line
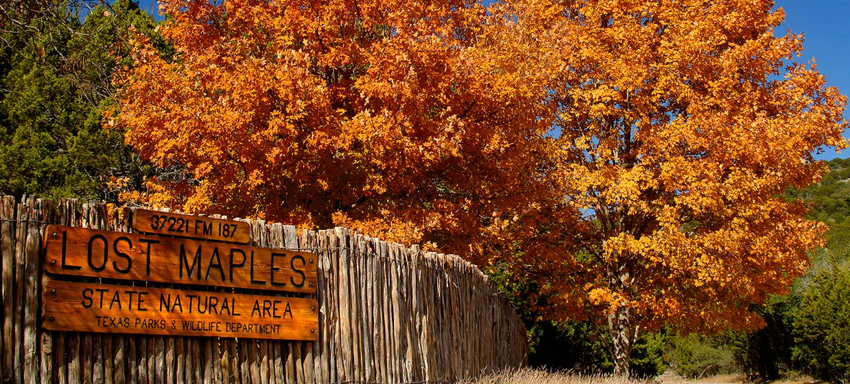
(276, 369)
(263, 345)
(298, 361)
(23, 216)
(224, 360)
(366, 326)
(141, 360)
(75, 374)
(253, 362)
(8, 253)
(198, 353)
(86, 354)
(150, 352)
(47, 368)
(378, 303)
(131, 361)
(206, 347)
(370, 304)
(328, 307)
(412, 363)
(218, 374)
(340, 350)
(31, 281)
(179, 360)
(344, 292)
(307, 362)
(122, 357)
(306, 239)
(324, 344)
(254, 352)
(245, 360)
(189, 358)
(159, 359)
(290, 363)
(108, 362)
(354, 313)
(294, 362)
(96, 352)
(235, 376)
(60, 366)
(170, 361)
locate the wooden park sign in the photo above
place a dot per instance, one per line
(81, 306)
(88, 307)
(190, 226)
(128, 256)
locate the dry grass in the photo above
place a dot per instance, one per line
(534, 376)
(789, 378)
(672, 378)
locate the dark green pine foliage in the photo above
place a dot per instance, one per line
(57, 86)
(822, 325)
(767, 352)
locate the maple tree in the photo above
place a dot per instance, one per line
(678, 125)
(390, 117)
(635, 151)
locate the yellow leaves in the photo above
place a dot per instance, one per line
(393, 230)
(117, 183)
(638, 160)
(600, 296)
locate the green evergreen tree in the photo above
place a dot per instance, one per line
(822, 325)
(56, 89)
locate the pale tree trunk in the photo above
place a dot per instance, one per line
(623, 335)
(621, 323)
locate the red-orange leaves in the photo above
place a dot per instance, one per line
(680, 125)
(319, 113)
(630, 153)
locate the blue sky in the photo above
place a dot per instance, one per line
(826, 29)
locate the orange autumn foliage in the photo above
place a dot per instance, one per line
(679, 126)
(391, 117)
(631, 153)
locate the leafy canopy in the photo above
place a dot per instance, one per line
(396, 118)
(631, 154)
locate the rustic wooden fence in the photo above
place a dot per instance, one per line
(388, 314)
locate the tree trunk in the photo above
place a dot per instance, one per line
(623, 335)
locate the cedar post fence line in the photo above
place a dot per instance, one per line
(387, 314)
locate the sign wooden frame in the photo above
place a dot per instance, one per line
(119, 309)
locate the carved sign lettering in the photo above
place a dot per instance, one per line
(191, 226)
(127, 256)
(88, 307)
